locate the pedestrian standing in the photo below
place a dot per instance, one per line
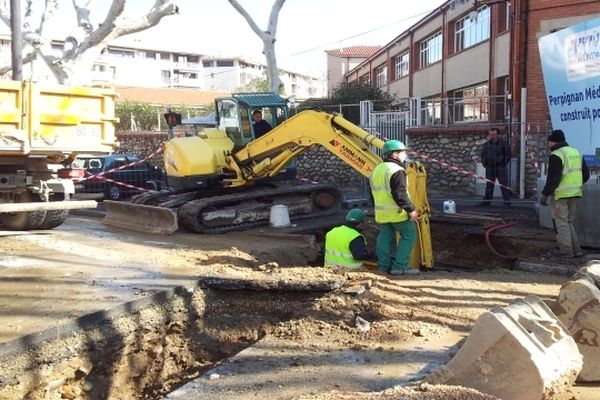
(394, 211)
(567, 172)
(345, 245)
(495, 156)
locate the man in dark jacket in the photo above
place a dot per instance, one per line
(567, 172)
(495, 157)
(260, 125)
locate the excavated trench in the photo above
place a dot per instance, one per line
(152, 346)
(146, 353)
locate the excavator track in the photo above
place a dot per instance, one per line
(239, 211)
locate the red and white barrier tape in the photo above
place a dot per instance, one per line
(458, 169)
(101, 174)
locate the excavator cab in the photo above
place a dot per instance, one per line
(234, 114)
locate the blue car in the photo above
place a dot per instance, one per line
(122, 183)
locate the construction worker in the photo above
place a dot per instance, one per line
(345, 245)
(567, 172)
(394, 212)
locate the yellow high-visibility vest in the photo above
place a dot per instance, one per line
(571, 180)
(337, 248)
(386, 209)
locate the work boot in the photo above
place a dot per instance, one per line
(407, 271)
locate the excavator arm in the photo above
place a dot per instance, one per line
(269, 154)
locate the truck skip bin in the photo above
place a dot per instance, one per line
(42, 129)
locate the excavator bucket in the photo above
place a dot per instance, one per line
(519, 352)
(579, 309)
(422, 254)
(140, 217)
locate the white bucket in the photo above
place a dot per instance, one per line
(279, 217)
(449, 207)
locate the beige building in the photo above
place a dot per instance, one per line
(340, 61)
(455, 62)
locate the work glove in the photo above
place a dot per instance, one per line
(544, 200)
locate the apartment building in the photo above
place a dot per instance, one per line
(468, 60)
(137, 66)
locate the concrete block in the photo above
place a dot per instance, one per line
(519, 352)
(578, 307)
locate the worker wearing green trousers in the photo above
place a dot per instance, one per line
(394, 211)
(387, 235)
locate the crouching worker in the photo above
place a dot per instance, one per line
(345, 245)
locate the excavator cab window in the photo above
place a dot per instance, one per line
(245, 115)
(229, 120)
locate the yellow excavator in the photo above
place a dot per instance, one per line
(224, 178)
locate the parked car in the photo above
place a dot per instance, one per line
(140, 175)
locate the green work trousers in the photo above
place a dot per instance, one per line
(563, 215)
(387, 238)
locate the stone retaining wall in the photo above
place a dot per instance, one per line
(452, 145)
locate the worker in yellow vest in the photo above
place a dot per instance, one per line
(567, 172)
(394, 211)
(345, 245)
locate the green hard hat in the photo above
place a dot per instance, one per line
(355, 215)
(393, 145)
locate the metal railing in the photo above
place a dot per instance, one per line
(455, 110)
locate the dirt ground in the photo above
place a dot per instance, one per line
(51, 277)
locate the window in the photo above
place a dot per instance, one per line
(186, 75)
(121, 53)
(401, 66)
(151, 54)
(99, 68)
(224, 63)
(471, 104)
(472, 29)
(208, 63)
(193, 59)
(113, 72)
(165, 56)
(431, 50)
(165, 74)
(364, 79)
(431, 111)
(381, 75)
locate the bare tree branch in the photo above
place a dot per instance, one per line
(247, 17)
(268, 38)
(274, 17)
(84, 44)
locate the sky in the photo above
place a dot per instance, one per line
(306, 28)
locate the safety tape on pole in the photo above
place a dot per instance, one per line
(108, 180)
(307, 180)
(458, 169)
(448, 165)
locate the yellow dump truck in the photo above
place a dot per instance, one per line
(42, 129)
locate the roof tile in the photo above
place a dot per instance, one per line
(354, 51)
(168, 96)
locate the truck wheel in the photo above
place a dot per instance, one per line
(22, 221)
(54, 218)
(113, 193)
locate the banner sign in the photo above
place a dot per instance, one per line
(571, 68)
